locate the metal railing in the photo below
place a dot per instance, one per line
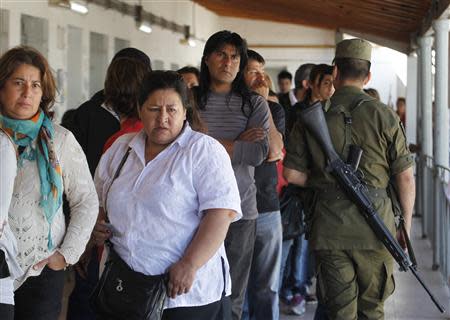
(433, 204)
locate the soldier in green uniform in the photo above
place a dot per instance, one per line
(354, 269)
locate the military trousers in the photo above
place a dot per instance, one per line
(353, 284)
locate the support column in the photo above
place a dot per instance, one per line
(441, 128)
(419, 206)
(411, 99)
(426, 101)
(425, 138)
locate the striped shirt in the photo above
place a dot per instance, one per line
(226, 120)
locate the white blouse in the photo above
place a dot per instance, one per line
(156, 208)
(27, 218)
(8, 244)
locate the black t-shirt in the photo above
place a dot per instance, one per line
(285, 101)
(92, 126)
(266, 176)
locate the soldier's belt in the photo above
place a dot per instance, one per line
(336, 193)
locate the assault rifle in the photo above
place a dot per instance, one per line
(313, 119)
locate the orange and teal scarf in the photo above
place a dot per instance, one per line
(23, 133)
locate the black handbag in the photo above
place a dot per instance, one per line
(291, 208)
(123, 293)
(4, 270)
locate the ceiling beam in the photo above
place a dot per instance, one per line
(391, 23)
(290, 46)
(385, 42)
(438, 7)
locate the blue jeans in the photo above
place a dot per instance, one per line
(262, 289)
(295, 273)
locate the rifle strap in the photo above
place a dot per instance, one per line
(348, 120)
(348, 133)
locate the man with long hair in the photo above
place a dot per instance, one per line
(229, 109)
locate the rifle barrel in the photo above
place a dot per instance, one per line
(433, 298)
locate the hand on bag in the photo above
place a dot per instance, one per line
(181, 277)
(101, 233)
(252, 135)
(55, 262)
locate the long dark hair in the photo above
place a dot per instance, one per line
(238, 86)
(318, 72)
(122, 84)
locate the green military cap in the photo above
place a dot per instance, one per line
(354, 48)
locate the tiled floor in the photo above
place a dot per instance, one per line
(410, 301)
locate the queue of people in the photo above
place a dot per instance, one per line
(171, 183)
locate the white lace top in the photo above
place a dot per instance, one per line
(27, 219)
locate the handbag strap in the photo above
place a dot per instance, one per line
(116, 174)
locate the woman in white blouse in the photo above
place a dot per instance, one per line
(50, 162)
(171, 205)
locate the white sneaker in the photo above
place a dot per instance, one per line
(298, 306)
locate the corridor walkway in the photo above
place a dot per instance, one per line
(410, 301)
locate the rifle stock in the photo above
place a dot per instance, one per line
(313, 119)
